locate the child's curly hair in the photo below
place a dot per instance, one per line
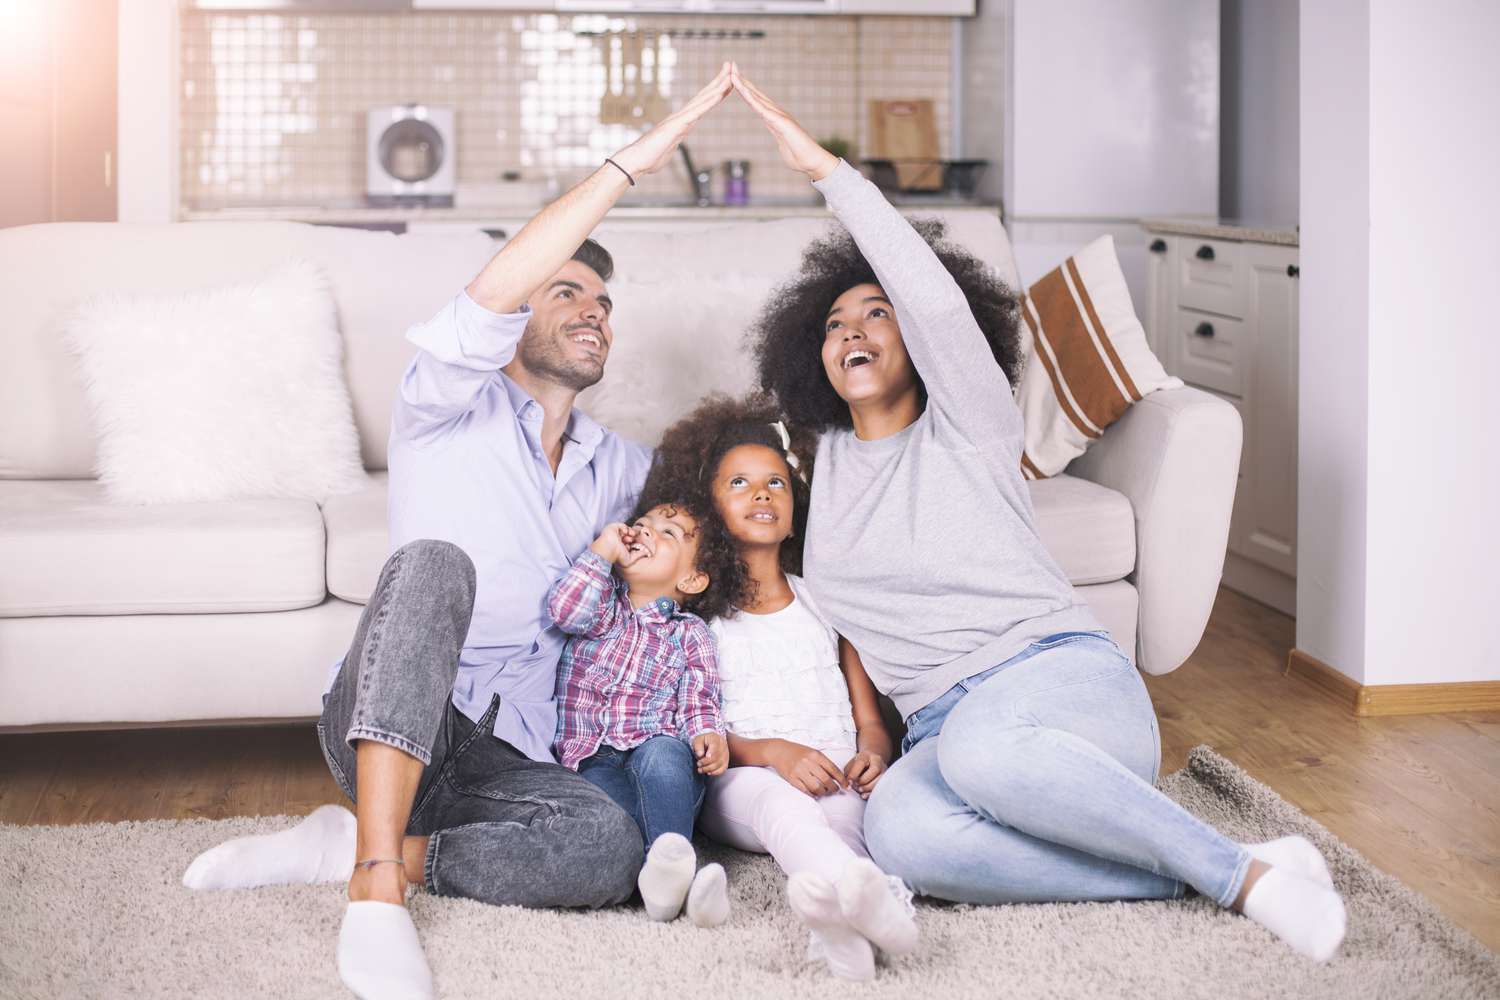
(683, 471)
(789, 334)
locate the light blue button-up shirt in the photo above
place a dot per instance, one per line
(467, 466)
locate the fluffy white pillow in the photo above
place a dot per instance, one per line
(223, 393)
(1087, 358)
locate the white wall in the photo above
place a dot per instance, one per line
(1399, 547)
(1333, 318)
(147, 180)
(1258, 114)
(1434, 356)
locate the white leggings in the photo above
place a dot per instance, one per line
(755, 809)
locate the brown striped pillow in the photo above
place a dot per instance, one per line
(1086, 358)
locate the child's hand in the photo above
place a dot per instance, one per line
(863, 770)
(805, 768)
(613, 544)
(712, 751)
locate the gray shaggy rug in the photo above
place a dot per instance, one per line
(99, 911)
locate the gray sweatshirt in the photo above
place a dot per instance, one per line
(922, 547)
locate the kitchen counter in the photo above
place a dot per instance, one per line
(357, 214)
(1282, 234)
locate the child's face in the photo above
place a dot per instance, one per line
(753, 493)
(664, 553)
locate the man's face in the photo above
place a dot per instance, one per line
(568, 336)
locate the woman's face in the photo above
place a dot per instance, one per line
(752, 490)
(864, 356)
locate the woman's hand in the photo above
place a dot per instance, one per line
(805, 768)
(863, 770)
(652, 151)
(799, 150)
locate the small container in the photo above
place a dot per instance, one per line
(736, 182)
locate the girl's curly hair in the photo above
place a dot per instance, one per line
(788, 336)
(683, 471)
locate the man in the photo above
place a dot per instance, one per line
(440, 719)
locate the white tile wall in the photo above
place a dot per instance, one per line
(273, 105)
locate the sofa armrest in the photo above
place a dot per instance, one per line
(1176, 456)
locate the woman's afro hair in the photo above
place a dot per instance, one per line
(788, 336)
(683, 471)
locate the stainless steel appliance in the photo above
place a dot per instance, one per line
(410, 155)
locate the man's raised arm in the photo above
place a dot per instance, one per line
(548, 240)
(476, 334)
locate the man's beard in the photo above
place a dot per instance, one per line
(544, 355)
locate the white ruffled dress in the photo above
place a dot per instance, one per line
(780, 676)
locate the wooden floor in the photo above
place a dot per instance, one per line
(1419, 796)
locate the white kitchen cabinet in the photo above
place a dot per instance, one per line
(1222, 316)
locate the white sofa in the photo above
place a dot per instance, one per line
(121, 615)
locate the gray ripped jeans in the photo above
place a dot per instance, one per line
(502, 828)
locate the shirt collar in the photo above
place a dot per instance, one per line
(582, 428)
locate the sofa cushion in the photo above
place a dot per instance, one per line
(68, 551)
(1088, 528)
(358, 541)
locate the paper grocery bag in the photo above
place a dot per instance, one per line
(906, 133)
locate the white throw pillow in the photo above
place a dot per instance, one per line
(223, 393)
(1086, 355)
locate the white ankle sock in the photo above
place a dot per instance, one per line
(1297, 855)
(816, 902)
(708, 899)
(667, 875)
(1302, 913)
(318, 849)
(871, 904)
(380, 957)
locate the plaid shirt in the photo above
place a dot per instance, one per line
(627, 675)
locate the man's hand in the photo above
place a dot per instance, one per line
(863, 770)
(712, 751)
(806, 769)
(799, 150)
(613, 545)
(654, 150)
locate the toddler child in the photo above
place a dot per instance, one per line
(806, 740)
(638, 696)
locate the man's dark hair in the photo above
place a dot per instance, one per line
(788, 336)
(596, 257)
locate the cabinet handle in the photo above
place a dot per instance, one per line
(1204, 330)
(1158, 246)
(1292, 270)
(1205, 252)
(494, 234)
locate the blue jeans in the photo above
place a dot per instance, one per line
(657, 783)
(1034, 781)
(501, 828)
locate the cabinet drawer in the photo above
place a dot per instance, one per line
(1210, 351)
(1211, 276)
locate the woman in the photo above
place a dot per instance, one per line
(1032, 747)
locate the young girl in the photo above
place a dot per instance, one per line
(806, 740)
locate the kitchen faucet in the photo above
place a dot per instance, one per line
(699, 179)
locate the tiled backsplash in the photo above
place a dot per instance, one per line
(273, 105)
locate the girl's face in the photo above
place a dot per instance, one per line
(753, 493)
(864, 356)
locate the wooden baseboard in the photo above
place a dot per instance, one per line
(1394, 699)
